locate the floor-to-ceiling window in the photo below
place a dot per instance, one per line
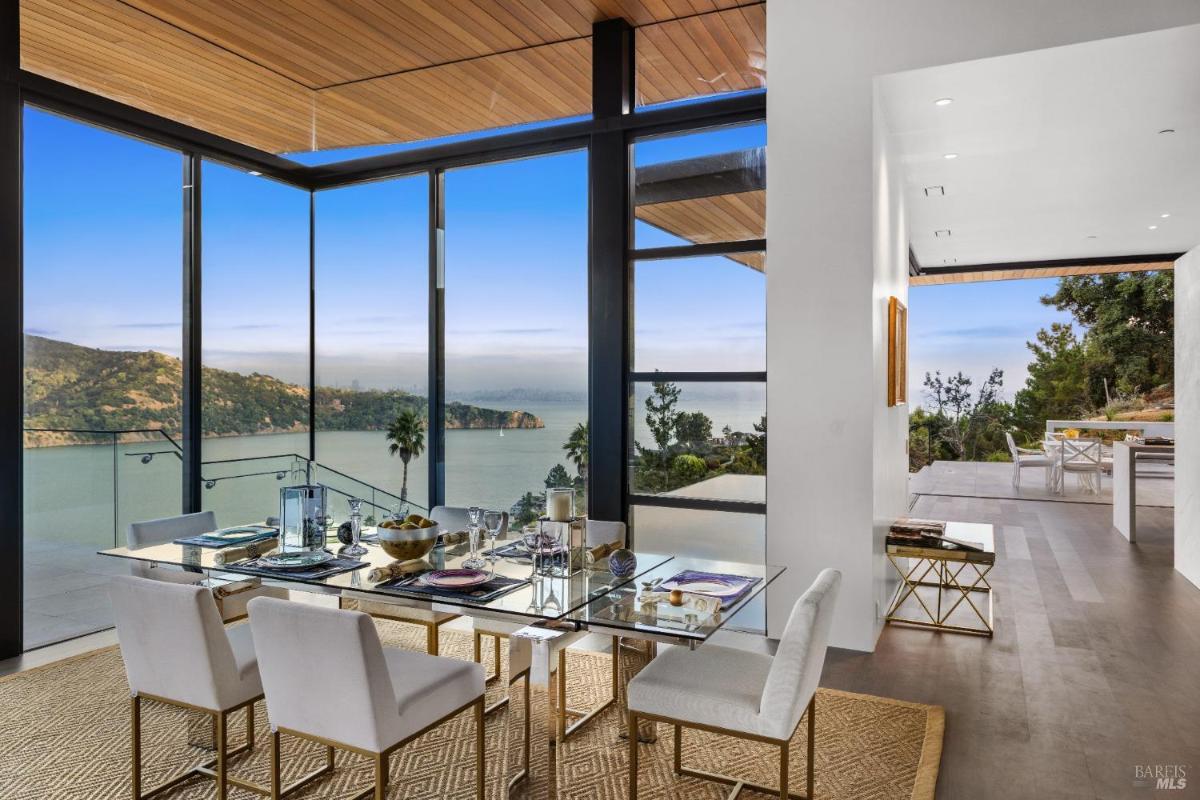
(255, 341)
(516, 310)
(372, 340)
(697, 450)
(103, 377)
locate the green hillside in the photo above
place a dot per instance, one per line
(68, 386)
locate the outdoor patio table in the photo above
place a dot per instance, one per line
(591, 599)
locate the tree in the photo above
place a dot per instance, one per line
(577, 449)
(1129, 319)
(687, 468)
(661, 415)
(970, 414)
(407, 439)
(756, 443)
(1057, 384)
(693, 428)
(527, 510)
(557, 477)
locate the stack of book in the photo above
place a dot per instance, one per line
(926, 533)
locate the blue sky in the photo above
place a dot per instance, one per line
(973, 327)
(103, 247)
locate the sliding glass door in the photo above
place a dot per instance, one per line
(103, 377)
(516, 321)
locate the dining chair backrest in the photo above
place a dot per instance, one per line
(1081, 452)
(324, 672)
(1012, 446)
(799, 658)
(160, 531)
(600, 531)
(173, 643)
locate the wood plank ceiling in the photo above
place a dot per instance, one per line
(296, 75)
(1036, 272)
(720, 218)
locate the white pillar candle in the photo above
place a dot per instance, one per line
(558, 508)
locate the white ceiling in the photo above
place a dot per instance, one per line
(1053, 146)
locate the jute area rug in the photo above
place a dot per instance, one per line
(64, 733)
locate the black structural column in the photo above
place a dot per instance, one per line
(11, 337)
(609, 312)
(193, 427)
(435, 431)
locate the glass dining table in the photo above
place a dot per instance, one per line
(549, 606)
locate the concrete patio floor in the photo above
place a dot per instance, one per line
(992, 480)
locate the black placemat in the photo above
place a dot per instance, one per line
(328, 569)
(497, 586)
(254, 533)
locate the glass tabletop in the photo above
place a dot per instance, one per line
(546, 598)
(623, 608)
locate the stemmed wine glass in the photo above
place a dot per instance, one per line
(493, 520)
(474, 514)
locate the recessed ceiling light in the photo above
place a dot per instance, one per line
(1167, 130)
(1091, 236)
(949, 260)
(944, 233)
(935, 191)
(943, 101)
(255, 173)
(1164, 216)
(1153, 227)
(950, 155)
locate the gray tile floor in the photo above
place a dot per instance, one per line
(1156, 483)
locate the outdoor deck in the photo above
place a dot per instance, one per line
(1155, 488)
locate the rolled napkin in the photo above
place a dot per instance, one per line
(454, 537)
(397, 569)
(701, 604)
(602, 550)
(253, 550)
(235, 587)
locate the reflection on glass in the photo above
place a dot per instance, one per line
(702, 188)
(516, 332)
(720, 52)
(720, 536)
(255, 340)
(700, 440)
(372, 334)
(102, 380)
(701, 314)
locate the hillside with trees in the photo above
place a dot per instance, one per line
(1115, 361)
(71, 387)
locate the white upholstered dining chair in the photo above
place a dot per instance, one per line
(177, 652)
(370, 699)
(167, 529)
(448, 518)
(596, 532)
(739, 693)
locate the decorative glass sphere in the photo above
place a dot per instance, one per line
(622, 562)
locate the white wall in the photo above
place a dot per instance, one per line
(1187, 416)
(834, 226)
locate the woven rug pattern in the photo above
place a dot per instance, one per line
(64, 733)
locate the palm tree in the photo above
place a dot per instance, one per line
(407, 438)
(577, 448)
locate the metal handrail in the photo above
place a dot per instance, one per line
(177, 450)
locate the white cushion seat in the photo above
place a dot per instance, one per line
(429, 687)
(712, 685)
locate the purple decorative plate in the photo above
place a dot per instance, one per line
(710, 585)
(455, 578)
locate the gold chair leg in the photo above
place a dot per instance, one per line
(812, 740)
(476, 653)
(275, 779)
(783, 771)
(678, 749)
(381, 776)
(222, 758)
(431, 639)
(135, 730)
(479, 768)
(250, 727)
(560, 716)
(633, 756)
